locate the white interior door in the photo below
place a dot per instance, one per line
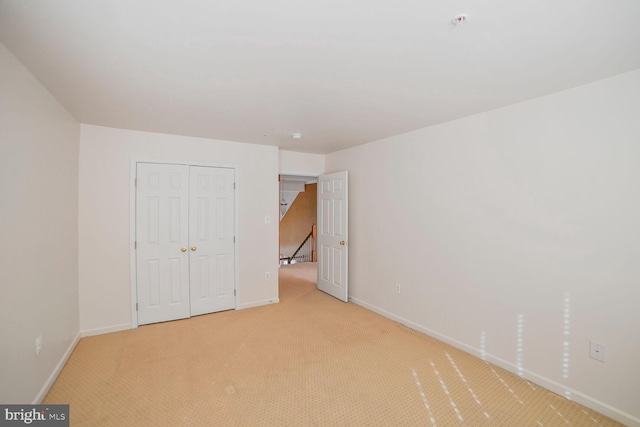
(162, 260)
(211, 239)
(333, 235)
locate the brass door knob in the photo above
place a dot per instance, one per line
(183, 249)
(193, 248)
(342, 242)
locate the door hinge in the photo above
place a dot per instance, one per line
(234, 239)
(135, 182)
(234, 185)
(136, 306)
(234, 292)
(135, 245)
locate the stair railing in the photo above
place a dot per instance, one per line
(306, 252)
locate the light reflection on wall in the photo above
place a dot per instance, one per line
(566, 345)
(519, 343)
(565, 342)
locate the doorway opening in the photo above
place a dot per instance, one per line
(332, 225)
(298, 219)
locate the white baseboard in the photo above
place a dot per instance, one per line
(52, 378)
(105, 330)
(542, 381)
(259, 303)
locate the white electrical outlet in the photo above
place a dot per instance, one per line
(398, 288)
(38, 344)
(597, 351)
(267, 275)
(267, 219)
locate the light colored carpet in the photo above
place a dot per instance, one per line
(310, 360)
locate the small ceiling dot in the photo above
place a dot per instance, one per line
(459, 20)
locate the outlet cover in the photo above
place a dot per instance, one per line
(398, 288)
(267, 275)
(597, 351)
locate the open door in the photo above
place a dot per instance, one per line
(333, 235)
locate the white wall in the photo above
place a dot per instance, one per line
(532, 210)
(105, 156)
(305, 164)
(38, 233)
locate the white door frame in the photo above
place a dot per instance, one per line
(132, 227)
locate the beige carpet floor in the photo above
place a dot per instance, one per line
(310, 360)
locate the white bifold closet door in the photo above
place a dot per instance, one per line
(211, 216)
(185, 257)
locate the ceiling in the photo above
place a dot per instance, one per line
(342, 73)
